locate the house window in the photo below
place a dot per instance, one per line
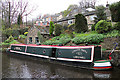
(30, 40)
(92, 17)
(36, 40)
(70, 21)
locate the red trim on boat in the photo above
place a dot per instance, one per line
(102, 67)
(49, 45)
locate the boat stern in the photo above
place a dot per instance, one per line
(102, 65)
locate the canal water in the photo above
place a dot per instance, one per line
(21, 66)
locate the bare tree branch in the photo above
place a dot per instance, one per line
(16, 7)
(87, 3)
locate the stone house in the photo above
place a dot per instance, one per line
(32, 36)
(71, 19)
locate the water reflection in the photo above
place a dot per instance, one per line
(21, 66)
(102, 74)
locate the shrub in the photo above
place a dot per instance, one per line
(6, 44)
(22, 36)
(88, 38)
(113, 33)
(80, 23)
(9, 39)
(58, 29)
(15, 38)
(65, 26)
(71, 27)
(14, 42)
(93, 27)
(103, 26)
(62, 39)
(117, 26)
(7, 31)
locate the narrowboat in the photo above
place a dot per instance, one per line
(78, 56)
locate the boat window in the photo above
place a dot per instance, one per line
(30, 40)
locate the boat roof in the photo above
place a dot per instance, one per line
(55, 46)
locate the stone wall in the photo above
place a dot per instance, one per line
(115, 56)
(108, 43)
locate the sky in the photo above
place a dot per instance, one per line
(56, 6)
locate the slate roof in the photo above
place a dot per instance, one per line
(43, 30)
(73, 17)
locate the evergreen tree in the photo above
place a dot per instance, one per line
(58, 29)
(80, 23)
(51, 28)
(40, 37)
(19, 20)
(115, 11)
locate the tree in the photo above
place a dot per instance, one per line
(80, 23)
(51, 28)
(87, 3)
(19, 20)
(115, 11)
(12, 9)
(100, 12)
(10, 12)
(58, 29)
(117, 26)
(41, 38)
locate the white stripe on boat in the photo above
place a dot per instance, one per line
(78, 60)
(65, 59)
(102, 64)
(29, 54)
(52, 58)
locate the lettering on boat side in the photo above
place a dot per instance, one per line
(17, 48)
(79, 53)
(82, 57)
